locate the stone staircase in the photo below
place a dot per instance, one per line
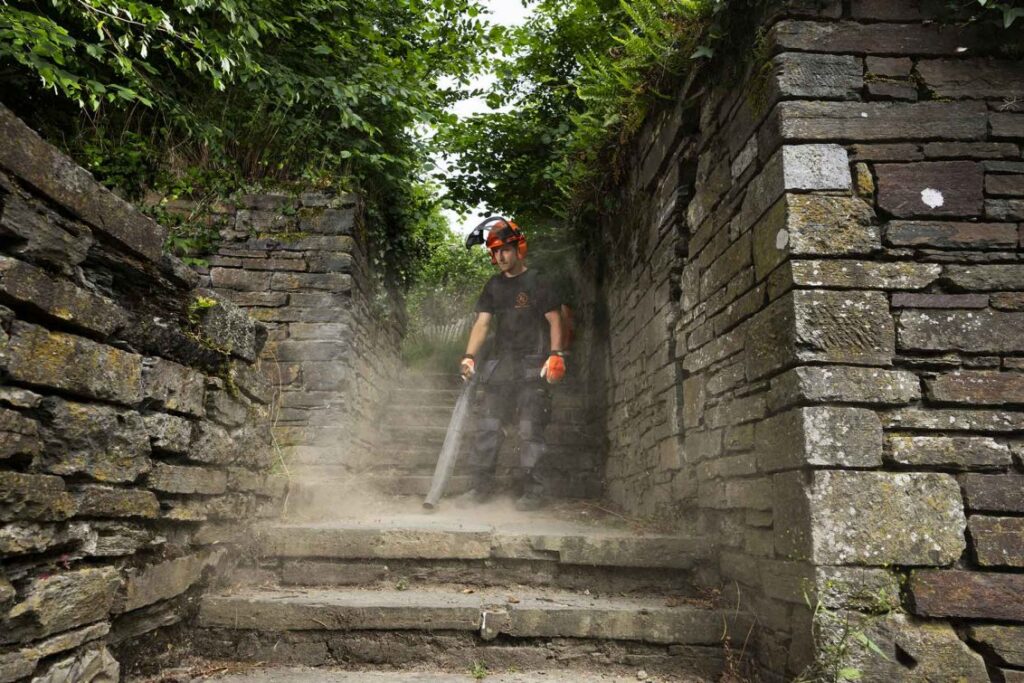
(486, 589)
(358, 576)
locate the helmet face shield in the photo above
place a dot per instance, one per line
(502, 232)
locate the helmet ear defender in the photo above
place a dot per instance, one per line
(501, 232)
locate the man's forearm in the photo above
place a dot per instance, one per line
(477, 335)
(555, 323)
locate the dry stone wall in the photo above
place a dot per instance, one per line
(134, 447)
(298, 263)
(839, 329)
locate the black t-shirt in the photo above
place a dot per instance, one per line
(518, 305)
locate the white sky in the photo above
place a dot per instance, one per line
(508, 13)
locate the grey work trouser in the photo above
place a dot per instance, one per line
(526, 401)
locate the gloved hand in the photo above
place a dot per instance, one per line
(467, 368)
(554, 369)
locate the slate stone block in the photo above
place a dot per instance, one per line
(817, 76)
(954, 452)
(1004, 185)
(812, 225)
(43, 236)
(976, 79)
(1007, 125)
(971, 150)
(59, 298)
(18, 435)
(977, 595)
(1007, 642)
(327, 221)
(71, 186)
(227, 327)
(993, 492)
(244, 280)
(186, 480)
(1004, 209)
(33, 496)
(822, 436)
(902, 91)
(849, 274)
(37, 356)
(298, 282)
(20, 538)
(984, 331)
(987, 277)
(60, 601)
(100, 442)
(106, 501)
(843, 384)
(165, 580)
(850, 37)
(980, 387)
(932, 188)
(877, 121)
(950, 235)
(891, 67)
(174, 387)
(168, 433)
(900, 518)
(997, 541)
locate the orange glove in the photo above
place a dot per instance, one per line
(467, 368)
(554, 369)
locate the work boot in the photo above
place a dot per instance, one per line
(533, 491)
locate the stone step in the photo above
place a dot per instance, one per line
(534, 536)
(467, 653)
(408, 573)
(522, 614)
(302, 674)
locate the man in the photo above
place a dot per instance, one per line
(528, 351)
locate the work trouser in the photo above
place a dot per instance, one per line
(523, 401)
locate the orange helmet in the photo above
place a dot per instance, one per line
(502, 232)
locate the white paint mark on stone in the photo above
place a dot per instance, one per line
(932, 198)
(863, 114)
(782, 239)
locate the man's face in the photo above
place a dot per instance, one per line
(508, 258)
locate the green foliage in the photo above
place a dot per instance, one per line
(478, 671)
(266, 92)
(840, 639)
(441, 302)
(1004, 13)
(576, 90)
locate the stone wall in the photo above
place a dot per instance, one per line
(134, 445)
(298, 263)
(841, 407)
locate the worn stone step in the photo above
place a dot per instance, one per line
(530, 537)
(302, 674)
(392, 573)
(467, 653)
(490, 613)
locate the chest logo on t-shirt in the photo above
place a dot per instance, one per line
(522, 300)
